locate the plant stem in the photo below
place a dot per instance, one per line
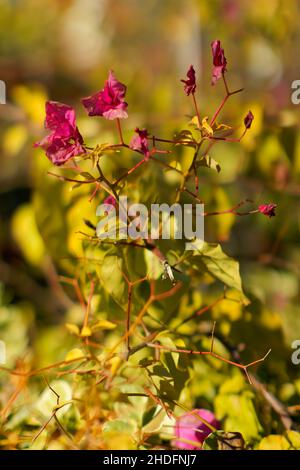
(196, 109)
(228, 94)
(120, 131)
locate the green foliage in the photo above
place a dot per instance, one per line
(212, 259)
(236, 408)
(65, 295)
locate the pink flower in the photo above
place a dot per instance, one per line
(140, 142)
(219, 61)
(60, 117)
(110, 200)
(190, 428)
(190, 83)
(268, 209)
(248, 120)
(108, 102)
(65, 140)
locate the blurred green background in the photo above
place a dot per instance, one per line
(62, 50)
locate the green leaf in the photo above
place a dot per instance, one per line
(222, 440)
(47, 402)
(41, 442)
(31, 245)
(87, 175)
(85, 332)
(119, 426)
(154, 265)
(208, 162)
(212, 259)
(109, 271)
(72, 328)
(153, 420)
(205, 127)
(235, 407)
(185, 137)
(104, 325)
(222, 130)
(75, 353)
(289, 441)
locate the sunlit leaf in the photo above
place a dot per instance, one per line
(75, 353)
(208, 162)
(74, 329)
(212, 258)
(47, 401)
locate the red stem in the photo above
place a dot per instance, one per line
(228, 94)
(120, 131)
(196, 108)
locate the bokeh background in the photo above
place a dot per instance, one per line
(62, 50)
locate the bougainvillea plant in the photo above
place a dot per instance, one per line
(141, 338)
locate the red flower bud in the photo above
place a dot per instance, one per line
(248, 120)
(267, 209)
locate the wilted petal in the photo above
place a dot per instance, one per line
(190, 83)
(219, 61)
(140, 141)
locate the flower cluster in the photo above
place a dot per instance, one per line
(65, 141)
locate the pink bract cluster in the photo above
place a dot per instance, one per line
(65, 141)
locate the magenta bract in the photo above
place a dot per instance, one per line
(108, 102)
(219, 61)
(191, 432)
(190, 83)
(65, 140)
(110, 200)
(140, 142)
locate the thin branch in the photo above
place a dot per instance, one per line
(228, 94)
(244, 367)
(120, 131)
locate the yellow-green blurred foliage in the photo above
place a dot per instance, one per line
(62, 50)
